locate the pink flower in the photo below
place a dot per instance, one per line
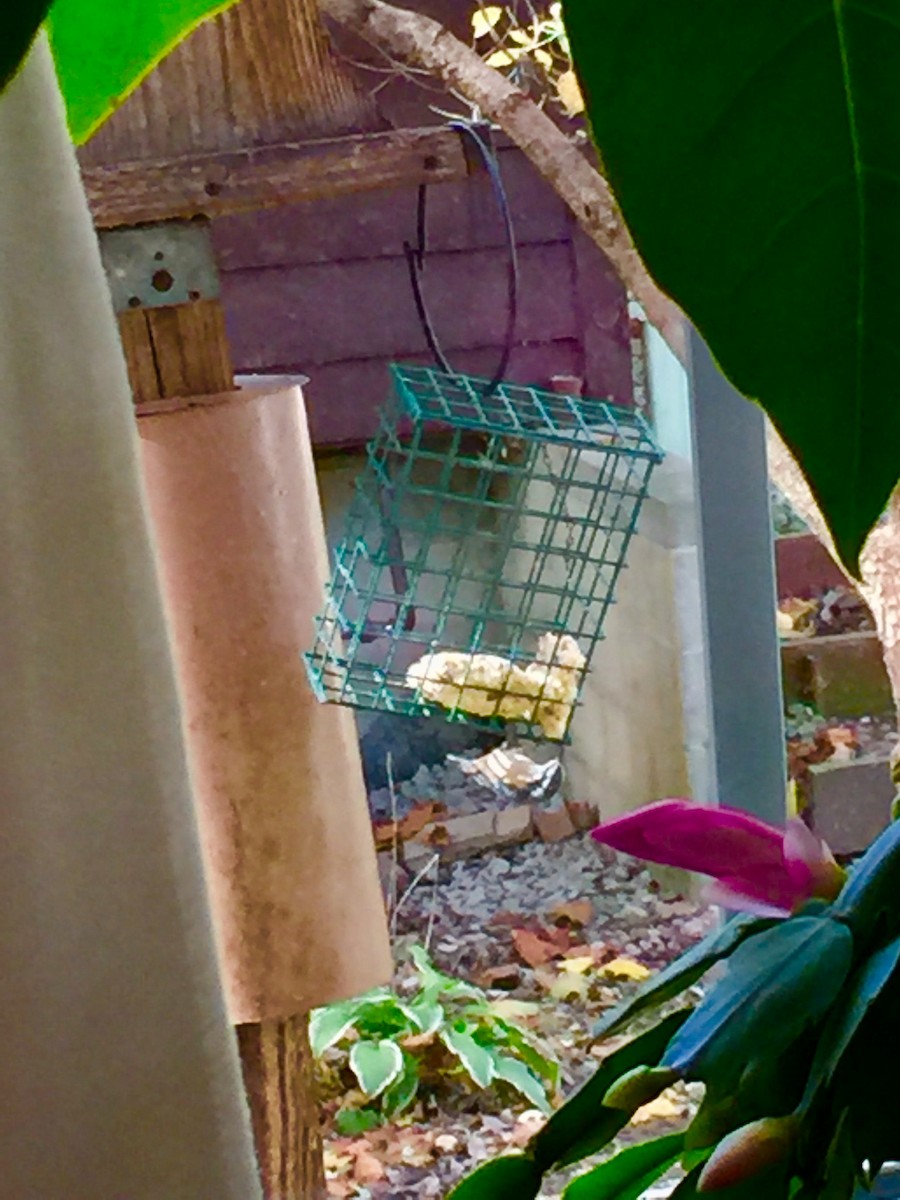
(756, 867)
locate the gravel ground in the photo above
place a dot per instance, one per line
(467, 912)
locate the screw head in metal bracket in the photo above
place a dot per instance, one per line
(150, 266)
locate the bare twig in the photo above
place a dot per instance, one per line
(395, 848)
(416, 880)
(422, 42)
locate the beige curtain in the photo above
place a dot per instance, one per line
(118, 1072)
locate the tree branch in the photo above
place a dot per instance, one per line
(422, 42)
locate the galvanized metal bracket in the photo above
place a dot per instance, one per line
(151, 266)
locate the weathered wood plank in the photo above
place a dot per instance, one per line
(258, 73)
(461, 216)
(364, 309)
(604, 321)
(343, 399)
(212, 185)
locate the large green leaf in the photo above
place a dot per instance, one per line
(868, 901)
(477, 1060)
(376, 1065)
(104, 49)
(777, 984)
(582, 1126)
(517, 1075)
(843, 1024)
(514, 1177)
(628, 1175)
(754, 148)
(682, 973)
(19, 22)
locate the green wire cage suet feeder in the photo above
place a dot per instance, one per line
(481, 552)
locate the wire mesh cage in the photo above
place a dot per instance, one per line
(481, 552)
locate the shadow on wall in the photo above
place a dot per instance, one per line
(628, 745)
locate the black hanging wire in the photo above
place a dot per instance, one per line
(415, 258)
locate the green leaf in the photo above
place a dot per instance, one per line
(517, 1075)
(399, 1095)
(435, 983)
(754, 149)
(375, 1065)
(868, 900)
(380, 1015)
(328, 1025)
(682, 973)
(352, 1121)
(687, 1189)
(776, 985)
(426, 1017)
(630, 1173)
(19, 22)
(105, 48)
(475, 1058)
(841, 1027)
(513, 1177)
(537, 1062)
(582, 1126)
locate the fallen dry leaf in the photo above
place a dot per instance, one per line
(580, 950)
(367, 1168)
(667, 1106)
(533, 949)
(417, 1041)
(625, 968)
(527, 1125)
(570, 987)
(418, 817)
(577, 966)
(505, 977)
(515, 1010)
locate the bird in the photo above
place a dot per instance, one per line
(543, 693)
(512, 775)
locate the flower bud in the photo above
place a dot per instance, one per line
(748, 1151)
(638, 1087)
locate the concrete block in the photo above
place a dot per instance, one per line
(468, 835)
(513, 825)
(842, 674)
(850, 802)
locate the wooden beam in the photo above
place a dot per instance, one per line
(213, 185)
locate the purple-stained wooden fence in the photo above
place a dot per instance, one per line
(323, 290)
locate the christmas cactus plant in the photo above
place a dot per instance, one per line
(754, 150)
(793, 1042)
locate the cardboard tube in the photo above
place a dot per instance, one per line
(277, 776)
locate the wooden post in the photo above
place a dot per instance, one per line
(280, 1085)
(182, 351)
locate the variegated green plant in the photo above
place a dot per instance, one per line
(444, 1028)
